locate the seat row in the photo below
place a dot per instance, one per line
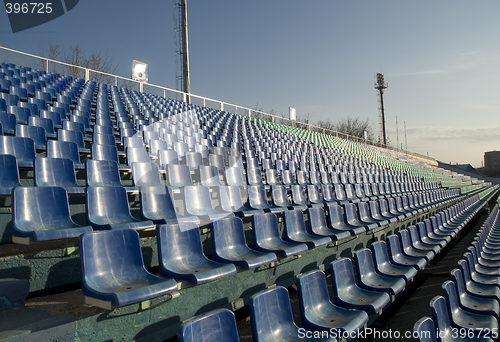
(107, 205)
(470, 308)
(379, 276)
(229, 246)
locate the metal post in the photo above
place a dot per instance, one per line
(406, 142)
(116, 81)
(185, 50)
(141, 87)
(397, 134)
(87, 75)
(221, 106)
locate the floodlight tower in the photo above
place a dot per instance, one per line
(181, 53)
(380, 86)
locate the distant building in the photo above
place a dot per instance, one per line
(492, 161)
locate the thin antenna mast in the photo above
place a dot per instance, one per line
(185, 50)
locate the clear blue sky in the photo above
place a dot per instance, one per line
(441, 59)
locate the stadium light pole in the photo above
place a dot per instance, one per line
(185, 50)
(380, 86)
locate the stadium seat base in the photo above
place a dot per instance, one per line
(106, 305)
(22, 240)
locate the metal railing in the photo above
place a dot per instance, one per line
(49, 65)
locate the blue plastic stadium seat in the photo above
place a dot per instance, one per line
(314, 197)
(272, 177)
(229, 245)
(193, 160)
(76, 126)
(146, 174)
(418, 241)
(377, 215)
(318, 226)
(353, 218)
(37, 134)
(181, 255)
(181, 148)
(465, 304)
(392, 208)
(254, 177)
(166, 157)
(8, 122)
(234, 177)
(157, 205)
(266, 237)
(369, 279)
(107, 152)
(108, 208)
(156, 146)
(45, 123)
(57, 172)
(113, 271)
(10, 100)
(209, 176)
(21, 148)
(178, 176)
(271, 318)
(366, 216)
(9, 174)
(410, 250)
(215, 326)
(424, 330)
(317, 311)
(231, 201)
(197, 200)
(137, 154)
(384, 266)
(74, 136)
(299, 200)
(436, 234)
(4, 85)
(84, 120)
(474, 286)
(477, 273)
(399, 258)
(280, 199)
(336, 220)
(482, 265)
(442, 320)
(21, 92)
(349, 295)
(104, 173)
(474, 297)
(257, 199)
(103, 135)
(40, 214)
(295, 230)
(64, 149)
